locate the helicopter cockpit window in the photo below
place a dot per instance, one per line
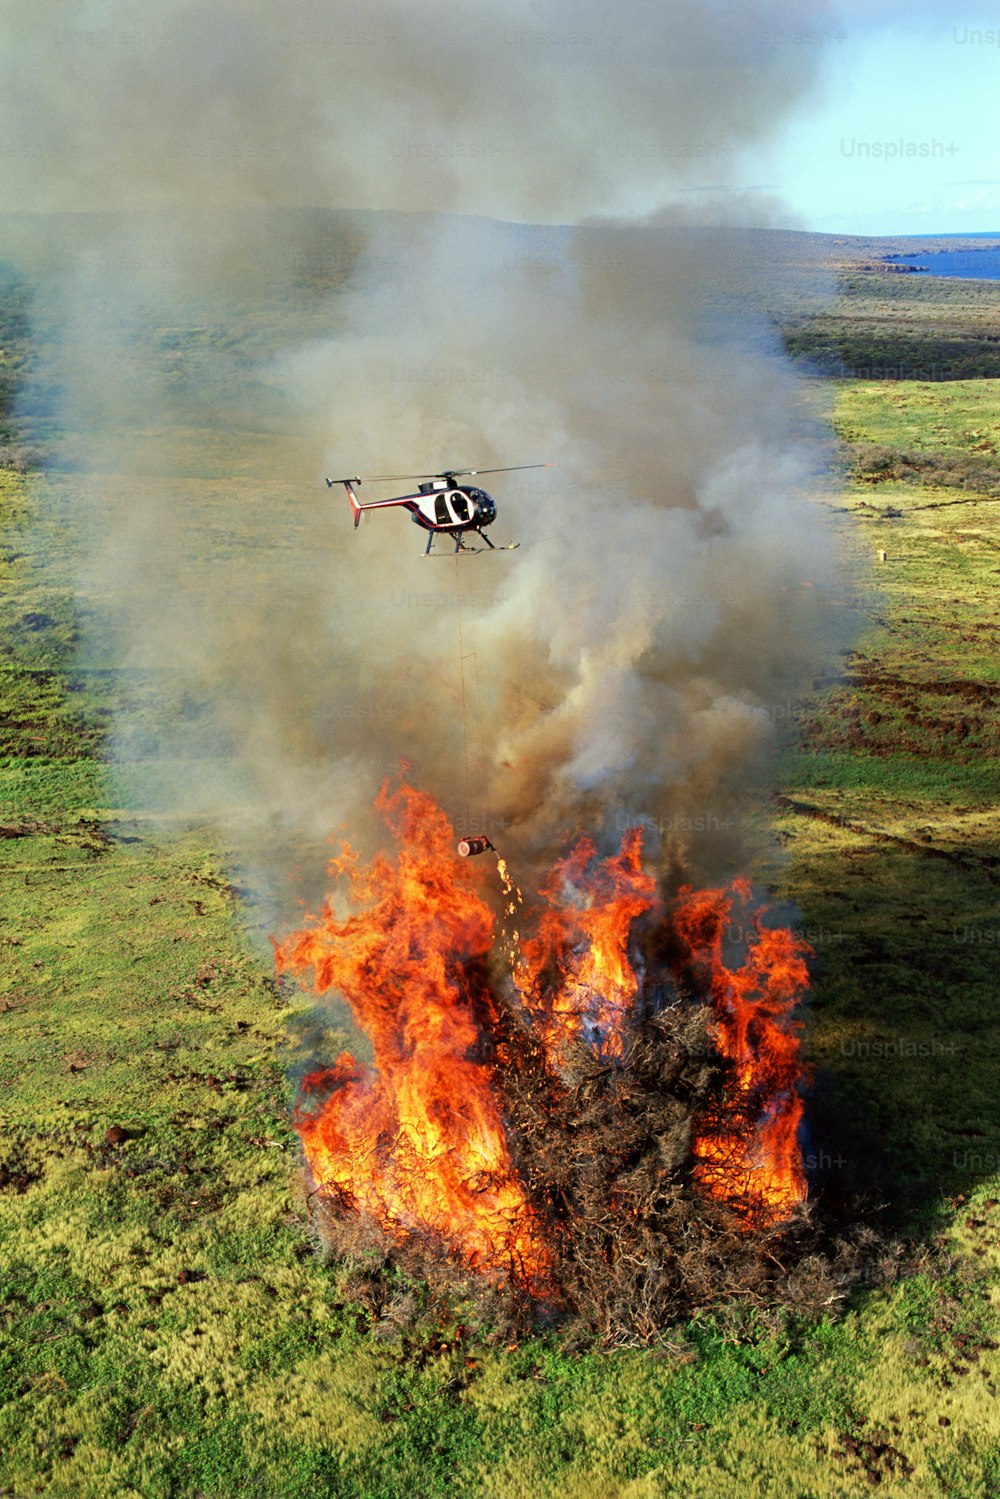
(460, 506)
(441, 512)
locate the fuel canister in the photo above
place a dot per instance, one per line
(470, 846)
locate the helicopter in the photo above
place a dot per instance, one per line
(441, 506)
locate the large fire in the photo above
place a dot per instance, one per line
(416, 1141)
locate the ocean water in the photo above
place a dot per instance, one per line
(971, 264)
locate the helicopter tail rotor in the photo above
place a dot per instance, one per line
(356, 506)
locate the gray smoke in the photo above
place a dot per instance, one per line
(544, 109)
(224, 332)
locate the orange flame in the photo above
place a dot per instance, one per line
(415, 1141)
(575, 976)
(755, 1164)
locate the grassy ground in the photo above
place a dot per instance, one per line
(896, 327)
(891, 811)
(166, 1326)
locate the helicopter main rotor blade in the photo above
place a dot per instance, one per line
(513, 469)
(451, 473)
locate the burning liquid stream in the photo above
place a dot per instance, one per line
(416, 1141)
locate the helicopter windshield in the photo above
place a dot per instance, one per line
(454, 508)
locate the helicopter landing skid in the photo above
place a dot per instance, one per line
(460, 551)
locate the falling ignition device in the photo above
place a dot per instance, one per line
(474, 846)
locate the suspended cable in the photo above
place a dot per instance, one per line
(461, 668)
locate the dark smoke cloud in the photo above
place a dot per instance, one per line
(676, 582)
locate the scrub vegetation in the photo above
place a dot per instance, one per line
(885, 326)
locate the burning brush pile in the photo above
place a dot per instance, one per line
(588, 1105)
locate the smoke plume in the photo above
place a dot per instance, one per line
(276, 243)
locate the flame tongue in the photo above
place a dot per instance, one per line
(748, 1151)
(575, 976)
(417, 1142)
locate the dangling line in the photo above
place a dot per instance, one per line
(461, 667)
(479, 700)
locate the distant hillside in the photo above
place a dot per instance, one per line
(840, 304)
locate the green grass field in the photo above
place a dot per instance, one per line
(168, 1326)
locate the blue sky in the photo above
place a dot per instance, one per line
(903, 134)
